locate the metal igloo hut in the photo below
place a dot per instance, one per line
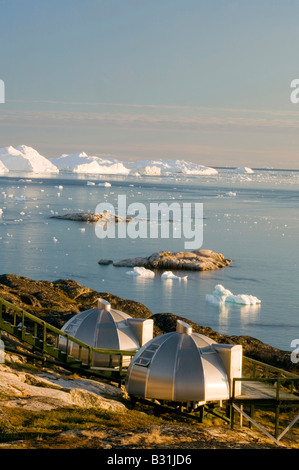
(183, 366)
(106, 328)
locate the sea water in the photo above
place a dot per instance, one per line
(251, 219)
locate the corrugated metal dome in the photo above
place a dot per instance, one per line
(181, 366)
(106, 328)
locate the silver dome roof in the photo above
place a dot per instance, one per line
(179, 366)
(107, 328)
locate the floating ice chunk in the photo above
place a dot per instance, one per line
(170, 275)
(20, 198)
(107, 185)
(90, 183)
(243, 170)
(230, 194)
(140, 271)
(55, 240)
(221, 296)
(1, 212)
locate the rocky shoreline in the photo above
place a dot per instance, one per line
(56, 302)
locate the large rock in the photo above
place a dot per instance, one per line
(198, 260)
(91, 217)
(50, 391)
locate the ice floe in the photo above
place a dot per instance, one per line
(244, 170)
(220, 296)
(170, 275)
(141, 271)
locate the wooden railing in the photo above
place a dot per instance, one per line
(45, 338)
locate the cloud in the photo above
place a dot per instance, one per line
(155, 116)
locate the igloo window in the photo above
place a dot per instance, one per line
(147, 355)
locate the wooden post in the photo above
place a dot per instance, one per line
(44, 337)
(89, 357)
(201, 409)
(277, 410)
(252, 410)
(232, 417)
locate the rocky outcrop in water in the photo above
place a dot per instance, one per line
(90, 217)
(198, 260)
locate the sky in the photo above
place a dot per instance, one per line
(204, 81)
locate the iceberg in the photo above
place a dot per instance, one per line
(152, 170)
(170, 275)
(220, 296)
(140, 271)
(1, 212)
(26, 159)
(3, 168)
(166, 167)
(244, 170)
(85, 164)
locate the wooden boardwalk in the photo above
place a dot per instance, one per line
(266, 392)
(260, 391)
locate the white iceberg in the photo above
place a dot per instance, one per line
(140, 271)
(1, 212)
(221, 296)
(166, 167)
(85, 164)
(3, 168)
(26, 159)
(170, 275)
(152, 170)
(244, 170)
(106, 185)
